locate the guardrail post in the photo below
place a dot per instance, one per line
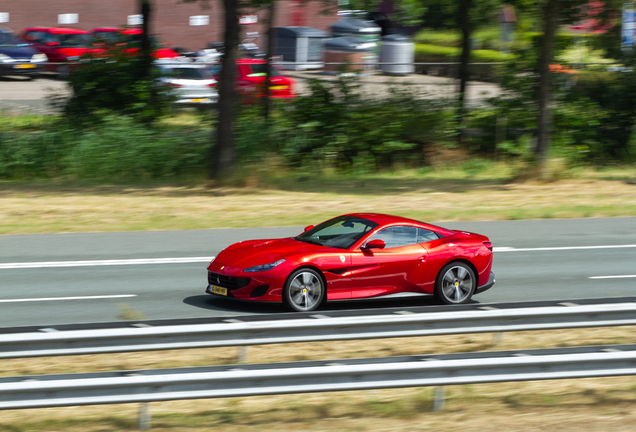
(243, 354)
(497, 338)
(144, 416)
(439, 398)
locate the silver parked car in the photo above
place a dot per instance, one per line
(190, 83)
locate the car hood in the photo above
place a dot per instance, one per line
(18, 53)
(257, 252)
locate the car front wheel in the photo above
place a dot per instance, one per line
(455, 284)
(304, 290)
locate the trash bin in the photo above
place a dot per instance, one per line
(400, 50)
(302, 45)
(357, 55)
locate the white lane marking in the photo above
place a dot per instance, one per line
(511, 249)
(48, 264)
(67, 298)
(612, 277)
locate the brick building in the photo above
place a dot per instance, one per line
(188, 25)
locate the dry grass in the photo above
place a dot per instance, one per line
(570, 405)
(42, 208)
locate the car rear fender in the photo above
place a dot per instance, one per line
(469, 264)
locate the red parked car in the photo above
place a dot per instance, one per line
(250, 80)
(61, 45)
(130, 40)
(355, 256)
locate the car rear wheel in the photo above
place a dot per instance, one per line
(304, 290)
(455, 284)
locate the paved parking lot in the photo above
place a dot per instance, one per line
(20, 95)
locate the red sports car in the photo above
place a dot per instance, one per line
(355, 256)
(130, 39)
(251, 75)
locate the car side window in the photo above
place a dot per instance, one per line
(33, 36)
(424, 235)
(397, 236)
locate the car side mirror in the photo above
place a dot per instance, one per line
(308, 227)
(375, 244)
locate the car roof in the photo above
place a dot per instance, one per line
(250, 61)
(58, 30)
(385, 219)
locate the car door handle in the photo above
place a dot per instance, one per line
(422, 258)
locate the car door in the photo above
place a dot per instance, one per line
(399, 267)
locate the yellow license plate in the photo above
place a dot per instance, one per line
(200, 100)
(218, 290)
(280, 87)
(24, 66)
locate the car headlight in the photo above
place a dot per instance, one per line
(6, 59)
(38, 58)
(264, 267)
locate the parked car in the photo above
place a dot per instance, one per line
(355, 256)
(189, 83)
(129, 39)
(250, 80)
(61, 45)
(17, 57)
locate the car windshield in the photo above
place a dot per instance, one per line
(107, 36)
(341, 232)
(260, 69)
(72, 40)
(185, 73)
(10, 40)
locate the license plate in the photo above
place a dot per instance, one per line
(24, 66)
(200, 100)
(218, 290)
(280, 87)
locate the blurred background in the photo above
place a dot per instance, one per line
(204, 90)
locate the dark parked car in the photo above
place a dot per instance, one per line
(17, 57)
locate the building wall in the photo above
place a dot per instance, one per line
(170, 17)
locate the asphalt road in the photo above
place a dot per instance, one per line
(534, 260)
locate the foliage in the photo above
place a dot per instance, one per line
(337, 126)
(111, 84)
(432, 53)
(117, 149)
(442, 14)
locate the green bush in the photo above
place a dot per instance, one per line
(111, 84)
(117, 149)
(336, 126)
(432, 53)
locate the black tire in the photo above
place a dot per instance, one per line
(304, 290)
(455, 283)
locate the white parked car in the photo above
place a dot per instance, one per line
(189, 82)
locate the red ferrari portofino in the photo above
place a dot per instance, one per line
(355, 256)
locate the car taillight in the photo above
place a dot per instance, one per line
(173, 85)
(488, 245)
(212, 85)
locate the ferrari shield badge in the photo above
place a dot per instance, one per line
(342, 258)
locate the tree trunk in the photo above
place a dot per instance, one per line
(269, 55)
(145, 48)
(550, 19)
(223, 155)
(464, 23)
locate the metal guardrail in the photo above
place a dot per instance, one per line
(304, 377)
(311, 328)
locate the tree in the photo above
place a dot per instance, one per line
(550, 17)
(464, 23)
(145, 49)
